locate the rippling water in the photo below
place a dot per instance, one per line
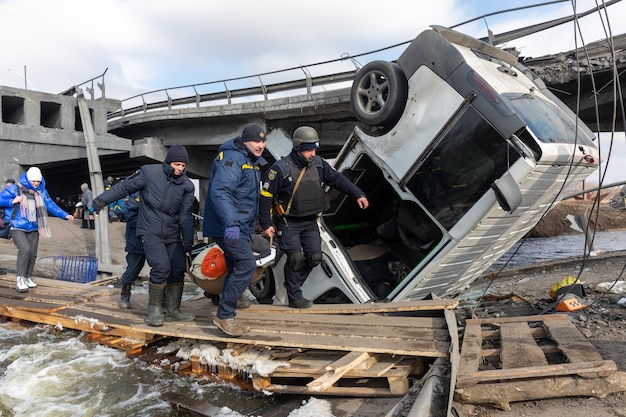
(51, 373)
(533, 250)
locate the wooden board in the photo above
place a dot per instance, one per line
(91, 308)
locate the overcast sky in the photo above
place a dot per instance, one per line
(154, 44)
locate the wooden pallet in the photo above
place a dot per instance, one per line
(532, 357)
(321, 372)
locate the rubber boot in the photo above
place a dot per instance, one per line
(173, 296)
(155, 304)
(125, 296)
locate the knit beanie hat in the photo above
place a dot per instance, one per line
(33, 174)
(253, 131)
(177, 153)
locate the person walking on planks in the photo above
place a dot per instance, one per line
(165, 227)
(230, 216)
(294, 185)
(135, 256)
(26, 206)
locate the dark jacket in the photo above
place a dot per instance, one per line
(20, 222)
(131, 211)
(278, 184)
(166, 201)
(233, 194)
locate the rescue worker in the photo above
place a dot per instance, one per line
(297, 229)
(230, 216)
(135, 256)
(165, 226)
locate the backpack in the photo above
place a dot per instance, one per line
(5, 228)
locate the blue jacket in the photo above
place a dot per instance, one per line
(20, 222)
(131, 210)
(166, 201)
(233, 194)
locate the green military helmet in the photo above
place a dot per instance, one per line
(304, 138)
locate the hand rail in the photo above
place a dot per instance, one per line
(228, 95)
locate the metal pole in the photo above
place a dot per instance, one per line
(103, 250)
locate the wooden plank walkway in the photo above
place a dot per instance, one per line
(330, 345)
(531, 357)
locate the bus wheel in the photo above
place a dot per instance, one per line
(379, 93)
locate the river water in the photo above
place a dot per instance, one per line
(53, 373)
(49, 372)
(535, 250)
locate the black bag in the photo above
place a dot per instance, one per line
(5, 228)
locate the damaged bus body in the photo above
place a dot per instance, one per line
(461, 150)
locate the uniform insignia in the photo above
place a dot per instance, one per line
(271, 175)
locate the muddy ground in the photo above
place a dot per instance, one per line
(601, 217)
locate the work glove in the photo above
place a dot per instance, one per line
(231, 234)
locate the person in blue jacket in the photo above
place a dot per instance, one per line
(165, 227)
(32, 203)
(230, 215)
(135, 256)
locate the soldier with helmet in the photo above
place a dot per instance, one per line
(296, 226)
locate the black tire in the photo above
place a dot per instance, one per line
(265, 288)
(379, 93)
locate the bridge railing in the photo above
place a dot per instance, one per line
(176, 98)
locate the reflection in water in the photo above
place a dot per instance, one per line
(544, 249)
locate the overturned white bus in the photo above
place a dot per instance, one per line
(460, 152)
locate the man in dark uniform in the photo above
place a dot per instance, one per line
(297, 229)
(165, 226)
(135, 257)
(230, 216)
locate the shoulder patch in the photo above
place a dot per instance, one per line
(271, 175)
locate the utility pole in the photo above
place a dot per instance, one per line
(103, 249)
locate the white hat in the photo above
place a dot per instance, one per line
(33, 174)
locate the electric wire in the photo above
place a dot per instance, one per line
(588, 243)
